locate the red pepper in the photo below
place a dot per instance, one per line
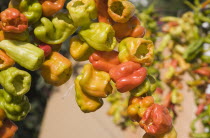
(205, 71)
(104, 61)
(8, 129)
(156, 120)
(46, 48)
(13, 21)
(166, 27)
(128, 75)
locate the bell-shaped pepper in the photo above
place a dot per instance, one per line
(46, 48)
(2, 117)
(120, 10)
(137, 107)
(95, 83)
(11, 20)
(32, 9)
(15, 107)
(86, 102)
(6, 61)
(55, 31)
(82, 12)
(104, 61)
(57, 69)
(156, 120)
(128, 75)
(137, 50)
(16, 82)
(100, 36)
(50, 7)
(25, 54)
(79, 49)
(8, 129)
(24, 36)
(171, 134)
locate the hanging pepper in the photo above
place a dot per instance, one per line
(57, 69)
(8, 130)
(95, 83)
(32, 9)
(46, 48)
(86, 102)
(100, 36)
(137, 50)
(16, 82)
(6, 61)
(24, 36)
(82, 12)
(79, 49)
(55, 31)
(2, 117)
(104, 61)
(120, 10)
(128, 75)
(11, 20)
(25, 54)
(50, 7)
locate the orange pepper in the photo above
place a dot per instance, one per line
(5, 60)
(8, 129)
(2, 117)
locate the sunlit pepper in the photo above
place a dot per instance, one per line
(82, 12)
(137, 106)
(128, 75)
(2, 117)
(120, 10)
(55, 31)
(95, 83)
(24, 36)
(156, 120)
(86, 102)
(79, 49)
(50, 7)
(6, 61)
(11, 20)
(32, 9)
(25, 54)
(100, 36)
(8, 130)
(137, 50)
(171, 134)
(57, 69)
(104, 61)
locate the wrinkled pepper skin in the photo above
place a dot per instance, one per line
(104, 61)
(85, 102)
(82, 12)
(55, 31)
(2, 117)
(128, 75)
(95, 83)
(11, 20)
(50, 7)
(8, 130)
(79, 50)
(120, 10)
(25, 54)
(156, 120)
(6, 61)
(137, 107)
(24, 36)
(100, 36)
(57, 69)
(32, 9)
(15, 107)
(137, 50)
(171, 134)
(16, 82)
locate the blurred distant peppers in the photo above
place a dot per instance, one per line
(137, 50)
(100, 36)
(24, 36)
(6, 61)
(27, 55)
(170, 134)
(205, 71)
(11, 20)
(16, 82)
(50, 7)
(57, 69)
(120, 10)
(2, 117)
(128, 75)
(79, 49)
(95, 83)
(8, 129)
(55, 31)
(104, 61)
(156, 120)
(32, 9)
(82, 12)
(86, 102)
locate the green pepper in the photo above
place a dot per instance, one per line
(25, 54)
(32, 9)
(24, 36)
(55, 31)
(100, 36)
